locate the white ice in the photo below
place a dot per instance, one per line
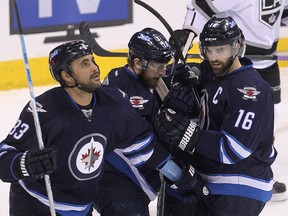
(12, 102)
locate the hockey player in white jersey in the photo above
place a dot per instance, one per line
(260, 21)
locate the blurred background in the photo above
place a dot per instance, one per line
(48, 23)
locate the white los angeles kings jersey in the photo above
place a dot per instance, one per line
(259, 20)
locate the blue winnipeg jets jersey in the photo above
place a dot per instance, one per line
(141, 96)
(82, 143)
(145, 103)
(235, 148)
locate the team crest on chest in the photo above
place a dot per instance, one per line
(269, 11)
(249, 93)
(138, 102)
(87, 157)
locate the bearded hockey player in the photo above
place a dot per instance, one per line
(232, 146)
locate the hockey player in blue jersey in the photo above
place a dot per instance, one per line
(232, 146)
(149, 53)
(262, 33)
(82, 123)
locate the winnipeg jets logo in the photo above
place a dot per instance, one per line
(249, 93)
(85, 160)
(138, 102)
(39, 107)
(144, 37)
(90, 157)
(269, 11)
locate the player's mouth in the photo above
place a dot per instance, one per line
(95, 77)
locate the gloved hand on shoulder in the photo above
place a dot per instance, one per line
(186, 76)
(35, 163)
(180, 99)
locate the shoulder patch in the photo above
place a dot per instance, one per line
(249, 93)
(138, 102)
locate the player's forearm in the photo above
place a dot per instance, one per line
(7, 159)
(159, 157)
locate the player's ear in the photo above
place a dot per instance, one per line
(137, 64)
(66, 77)
(236, 48)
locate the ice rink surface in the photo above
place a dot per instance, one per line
(12, 102)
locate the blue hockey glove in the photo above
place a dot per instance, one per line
(35, 163)
(185, 75)
(176, 130)
(180, 99)
(190, 183)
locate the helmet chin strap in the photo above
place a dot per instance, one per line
(83, 88)
(144, 65)
(226, 70)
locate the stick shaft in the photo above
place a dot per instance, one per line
(100, 51)
(34, 108)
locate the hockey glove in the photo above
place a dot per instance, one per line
(191, 182)
(35, 163)
(180, 99)
(185, 75)
(176, 130)
(181, 36)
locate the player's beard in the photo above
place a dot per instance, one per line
(91, 85)
(220, 68)
(151, 82)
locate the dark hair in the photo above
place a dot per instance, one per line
(60, 58)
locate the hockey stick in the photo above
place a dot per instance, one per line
(90, 40)
(34, 108)
(267, 57)
(100, 51)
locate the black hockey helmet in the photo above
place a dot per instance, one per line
(221, 31)
(149, 45)
(60, 58)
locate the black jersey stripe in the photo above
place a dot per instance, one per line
(204, 6)
(252, 50)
